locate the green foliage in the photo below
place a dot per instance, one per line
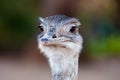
(17, 23)
(105, 47)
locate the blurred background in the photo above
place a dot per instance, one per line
(20, 58)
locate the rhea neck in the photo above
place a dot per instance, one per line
(64, 64)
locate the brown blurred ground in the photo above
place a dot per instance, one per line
(21, 70)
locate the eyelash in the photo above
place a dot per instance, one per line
(41, 28)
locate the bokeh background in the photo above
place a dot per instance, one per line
(20, 58)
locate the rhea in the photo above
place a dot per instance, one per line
(60, 41)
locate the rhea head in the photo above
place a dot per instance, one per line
(59, 33)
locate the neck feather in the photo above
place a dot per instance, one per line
(63, 61)
(64, 67)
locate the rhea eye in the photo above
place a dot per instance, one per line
(73, 29)
(41, 28)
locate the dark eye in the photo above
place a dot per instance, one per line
(73, 29)
(41, 28)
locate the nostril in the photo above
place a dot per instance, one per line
(54, 36)
(44, 39)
